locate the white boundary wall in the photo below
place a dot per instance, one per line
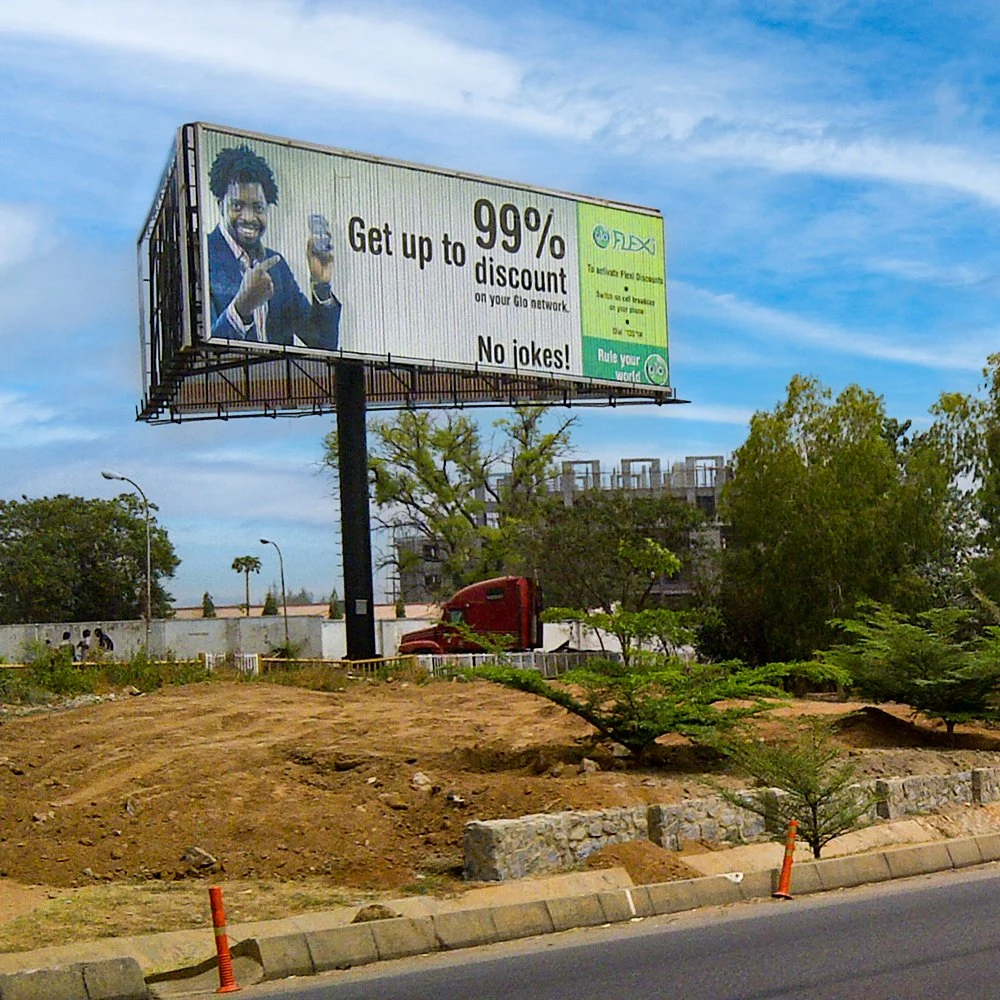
(187, 637)
(320, 638)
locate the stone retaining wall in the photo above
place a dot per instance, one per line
(929, 793)
(544, 842)
(513, 848)
(712, 819)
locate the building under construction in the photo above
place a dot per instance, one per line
(697, 480)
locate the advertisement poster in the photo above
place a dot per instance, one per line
(324, 251)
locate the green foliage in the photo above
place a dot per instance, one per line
(289, 650)
(967, 431)
(830, 503)
(657, 629)
(937, 663)
(207, 605)
(66, 558)
(434, 475)
(802, 676)
(147, 674)
(400, 607)
(300, 596)
(59, 677)
(246, 565)
(334, 610)
(313, 676)
(611, 548)
(809, 766)
(654, 694)
(51, 675)
(270, 608)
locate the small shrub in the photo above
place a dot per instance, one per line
(60, 677)
(148, 675)
(312, 677)
(403, 668)
(809, 767)
(637, 702)
(286, 650)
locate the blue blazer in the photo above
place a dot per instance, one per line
(288, 312)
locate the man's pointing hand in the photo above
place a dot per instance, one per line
(256, 288)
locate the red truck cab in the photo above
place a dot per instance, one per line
(506, 606)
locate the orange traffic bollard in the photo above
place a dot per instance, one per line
(785, 879)
(227, 981)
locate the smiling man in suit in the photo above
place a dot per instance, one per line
(254, 295)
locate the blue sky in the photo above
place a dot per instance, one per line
(829, 174)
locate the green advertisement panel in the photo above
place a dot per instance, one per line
(623, 295)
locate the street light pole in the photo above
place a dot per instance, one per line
(149, 571)
(284, 603)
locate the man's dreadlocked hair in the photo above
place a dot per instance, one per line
(242, 165)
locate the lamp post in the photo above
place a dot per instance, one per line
(149, 571)
(284, 603)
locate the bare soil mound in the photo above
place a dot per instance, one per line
(366, 788)
(645, 862)
(879, 727)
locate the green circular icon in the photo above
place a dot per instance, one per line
(601, 237)
(656, 369)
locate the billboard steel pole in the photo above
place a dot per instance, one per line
(355, 526)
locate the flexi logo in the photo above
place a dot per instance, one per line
(615, 239)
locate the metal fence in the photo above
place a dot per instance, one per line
(549, 665)
(350, 667)
(244, 663)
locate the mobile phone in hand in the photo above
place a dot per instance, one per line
(320, 230)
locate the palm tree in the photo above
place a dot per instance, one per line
(246, 565)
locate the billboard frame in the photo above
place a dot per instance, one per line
(185, 378)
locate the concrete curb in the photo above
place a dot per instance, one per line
(362, 944)
(309, 951)
(111, 979)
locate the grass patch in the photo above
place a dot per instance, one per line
(49, 675)
(123, 910)
(312, 676)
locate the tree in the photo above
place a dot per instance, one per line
(246, 565)
(207, 605)
(830, 504)
(475, 500)
(611, 548)
(67, 558)
(661, 630)
(818, 783)
(300, 596)
(334, 611)
(938, 664)
(270, 605)
(967, 430)
(636, 703)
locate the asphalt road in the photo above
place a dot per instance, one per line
(930, 939)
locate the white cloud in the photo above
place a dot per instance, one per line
(709, 414)
(724, 107)
(25, 234)
(766, 323)
(902, 162)
(24, 423)
(922, 272)
(376, 56)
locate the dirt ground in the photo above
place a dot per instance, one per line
(364, 790)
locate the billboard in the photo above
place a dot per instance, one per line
(331, 254)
